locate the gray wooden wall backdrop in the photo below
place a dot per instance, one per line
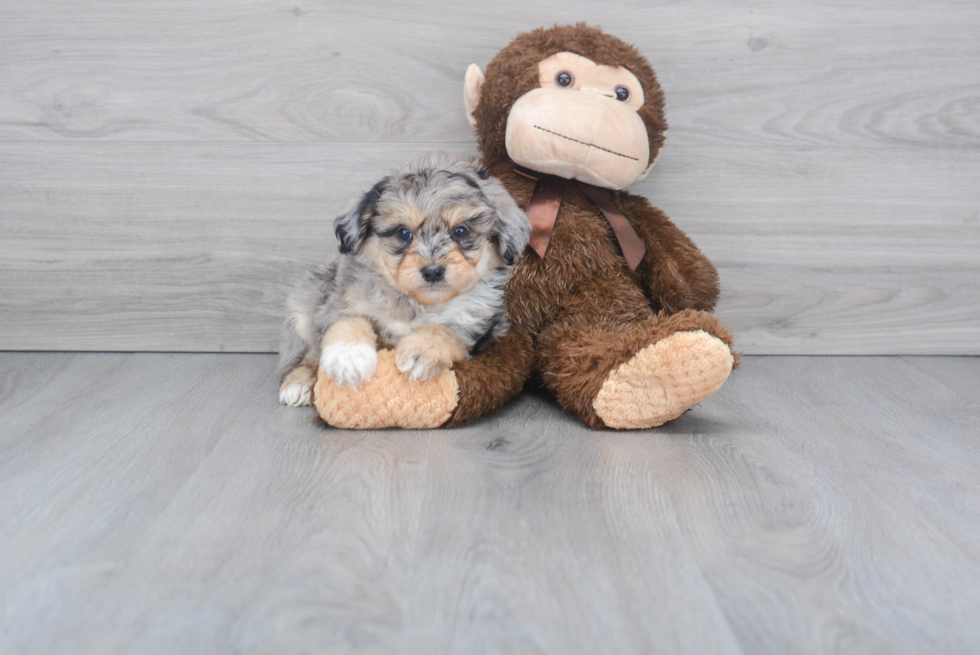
(167, 166)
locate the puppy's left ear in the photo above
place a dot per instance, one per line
(514, 228)
(354, 227)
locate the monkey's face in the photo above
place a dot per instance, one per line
(581, 123)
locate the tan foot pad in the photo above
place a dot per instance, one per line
(664, 380)
(388, 400)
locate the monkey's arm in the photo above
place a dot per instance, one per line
(677, 275)
(477, 386)
(492, 378)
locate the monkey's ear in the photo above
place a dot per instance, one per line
(354, 227)
(471, 91)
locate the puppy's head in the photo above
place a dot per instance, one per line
(434, 228)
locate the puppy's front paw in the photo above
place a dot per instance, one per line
(349, 363)
(296, 389)
(420, 358)
(295, 394)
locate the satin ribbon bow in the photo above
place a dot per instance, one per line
(542, 211)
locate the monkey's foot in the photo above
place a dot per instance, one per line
(387, 400)
(664, 380)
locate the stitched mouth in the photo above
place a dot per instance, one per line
(591, 145)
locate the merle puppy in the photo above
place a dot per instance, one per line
(426, 254)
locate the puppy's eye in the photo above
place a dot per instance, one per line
(622, 93)
(460, 231)
(404, 234)
(564, 79)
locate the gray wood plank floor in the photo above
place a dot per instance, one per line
(164, 503)
(166, 166)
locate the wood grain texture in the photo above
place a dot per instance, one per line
(813, 505)
(795, 73)
(959, 373)
(167, 168)
(191, 247)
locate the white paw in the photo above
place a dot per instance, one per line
(295, 395)
(349, 363)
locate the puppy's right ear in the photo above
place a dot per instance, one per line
(513, 227)
(354, 227)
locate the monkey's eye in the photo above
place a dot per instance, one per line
(460, 231)
(564, 79)
(404, 234)
(622, 93)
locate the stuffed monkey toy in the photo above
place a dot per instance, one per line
(609, 304)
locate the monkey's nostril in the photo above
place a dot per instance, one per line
(433, 273)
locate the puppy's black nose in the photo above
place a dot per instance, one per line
(433, 273)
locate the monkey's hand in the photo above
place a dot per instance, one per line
(676, 274)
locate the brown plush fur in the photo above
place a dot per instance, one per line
(514, 72)
(488, 381)
(580, 312)
(576, 355)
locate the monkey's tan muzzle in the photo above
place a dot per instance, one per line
(595, 139)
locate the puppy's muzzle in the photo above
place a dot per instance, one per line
(433, 273)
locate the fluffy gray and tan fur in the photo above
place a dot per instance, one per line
(426, 254)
